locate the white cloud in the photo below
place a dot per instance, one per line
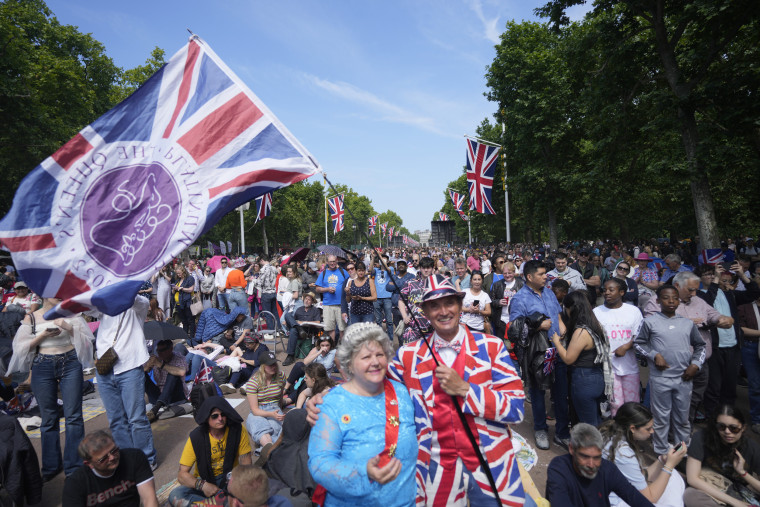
(490, 25)
(387, 111)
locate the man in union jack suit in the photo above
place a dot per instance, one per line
(475, 372)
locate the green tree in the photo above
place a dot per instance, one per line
(132, 79)
(54, 80)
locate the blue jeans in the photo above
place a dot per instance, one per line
(172, 390)
(123, 397)
(236, 298)
(752, 367)
(367, 317)
(588, 391)
(269, 304)
(383, 308)
(561, 410)
(49, 372)
(221, 298)
(195, 362)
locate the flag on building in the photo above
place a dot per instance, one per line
(135, 188)
(457, 200)
(263, 206)
(481, 167)
(336, 212)
(372, 224)
(442, 216)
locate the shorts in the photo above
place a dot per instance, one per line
(331, 315)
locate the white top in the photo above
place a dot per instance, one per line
(447, 354)
(474, 320)
(220, 277)
(130, 345)
(485, 267)
(621, 325)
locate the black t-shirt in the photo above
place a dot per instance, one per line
(254, 355)
(749, 449)
(84, 488)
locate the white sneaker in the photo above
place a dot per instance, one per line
(227, 388)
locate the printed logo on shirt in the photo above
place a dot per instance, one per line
(96, 498)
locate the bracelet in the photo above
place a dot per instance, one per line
(744, 474)
(199, 484)
(667, 470)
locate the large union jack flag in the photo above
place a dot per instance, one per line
(457, 200)
(372, 224)
(442, 216)
(135, 188)
(336, 212)
(481, 166)
(263, 206)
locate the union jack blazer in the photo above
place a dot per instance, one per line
(495, 400)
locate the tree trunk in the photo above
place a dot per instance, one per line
(553, 243)
(707, 225)
(264, 237)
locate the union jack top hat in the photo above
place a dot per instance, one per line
(439, 286)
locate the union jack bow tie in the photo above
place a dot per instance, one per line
(440, 343)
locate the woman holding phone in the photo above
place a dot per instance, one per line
(476, 306)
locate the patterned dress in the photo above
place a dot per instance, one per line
(413, 291)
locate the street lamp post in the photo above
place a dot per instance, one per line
(353, 226)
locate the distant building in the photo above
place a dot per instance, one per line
(443, 233)
(424, 237)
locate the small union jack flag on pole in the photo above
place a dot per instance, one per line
(481, 167)
(463, 215)
(336, 212)
(390, 232)
(372, 224)
(442, 216)
(384, 228)
(457, 199)
(263, 206)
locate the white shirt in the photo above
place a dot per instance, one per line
(130, 344)
(621, 325)
(447, 354)
(474, 320)
(220, 277)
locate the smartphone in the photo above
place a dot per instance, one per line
(727, 266)
(476, 302)
(678, 447)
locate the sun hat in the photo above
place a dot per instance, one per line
(643, 256)
(18, 285)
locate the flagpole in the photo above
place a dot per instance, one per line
(242, 232)
(469, 227)
(324, 176)
(483, 141)
(506, 192)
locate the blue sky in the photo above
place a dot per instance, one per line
(381, 93)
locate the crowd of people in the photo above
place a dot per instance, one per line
(412, 365)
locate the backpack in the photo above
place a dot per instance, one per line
(201, 391)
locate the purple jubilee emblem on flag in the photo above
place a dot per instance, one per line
(136, 187)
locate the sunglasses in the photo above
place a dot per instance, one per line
(113, 452)
(624, 269)
(733, 428)
(217, 415)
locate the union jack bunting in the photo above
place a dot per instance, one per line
(336, 212)
(442, 216)
(263, 206)
(457, 200)
(372, 224)
(135, 188)
(384, 228)
(481, 166)
(390, 232)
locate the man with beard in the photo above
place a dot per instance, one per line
(583, 477)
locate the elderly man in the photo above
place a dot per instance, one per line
(110, 475)
(474, 371)
(583, 477)
(674, 266)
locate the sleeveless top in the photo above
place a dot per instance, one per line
(62, 340)
(586, 357)
(361, 307)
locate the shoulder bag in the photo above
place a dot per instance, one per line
(104, 364)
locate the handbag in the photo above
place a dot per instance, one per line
(104, 364)
(197, 306)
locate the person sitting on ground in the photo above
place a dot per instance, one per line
(250, 360)
(658, 482)
(297, 320)
(167, 385)
(248, 487)
(323, 354)
(213, 322)
(264, 391)
(733, 460)
(120, 476)
(219, 430)
(583, 477)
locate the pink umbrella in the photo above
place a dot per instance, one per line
(216, 262)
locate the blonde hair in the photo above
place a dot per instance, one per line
(355, 338)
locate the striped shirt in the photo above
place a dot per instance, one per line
(271, 393)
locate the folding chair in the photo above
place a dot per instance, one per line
(268, 336)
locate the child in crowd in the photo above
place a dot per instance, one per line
(675, 352)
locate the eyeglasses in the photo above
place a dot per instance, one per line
(733, 428)
(624, 269)
(217, 415)
(351, 269)
(113, 452)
